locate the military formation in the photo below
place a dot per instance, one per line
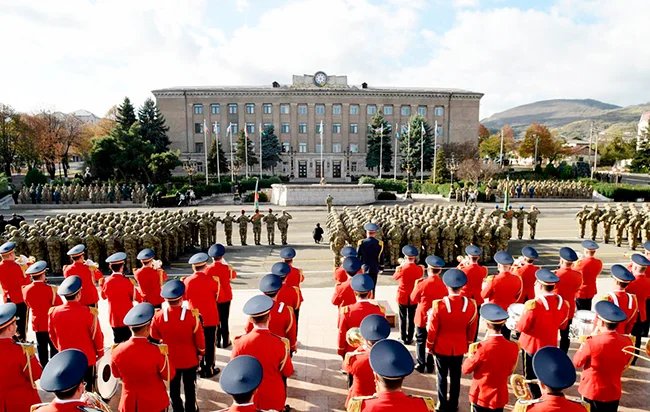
(75, 193)
(629, 224)
(538, 189)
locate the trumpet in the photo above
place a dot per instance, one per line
(520, 388)
(519, 262)
(462, 262)
(632, 350)
(354, 338)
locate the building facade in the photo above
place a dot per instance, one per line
(297, 110)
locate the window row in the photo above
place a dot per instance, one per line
(285, 128)
(336, 147)
(371, 109)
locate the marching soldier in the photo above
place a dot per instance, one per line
(143, 366)
(526, 271)
(640, 287)
(240, 379)
(243, 221)
(224, 273)
(88, 276)
(520, 215)
(590, 267)
(256, 220)
(202, 293)
(343, 293)
(624, 300)
(407, 274)
(39, 298)
(391, 363)
(64, 376)
(270, 219)
(452, 326)
(567, 287)
(271, 350)
(594, 218)
(503, 289)
(227, 222)
(150, 280)
(119, 292)
(12, 279)
(180, 329)
(19, 366)
(76, 326)
(582, 219)
(540, 322)
(532, 221)
(476, 275)
(371, 253)
(604, 361)
(491, 362)
(283, 225)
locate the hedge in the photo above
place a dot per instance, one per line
(624, 192)
(387, 185)
(250, 197)
(386, 196)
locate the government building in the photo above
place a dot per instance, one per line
(296, 111)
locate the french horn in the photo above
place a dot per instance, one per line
(354, 338)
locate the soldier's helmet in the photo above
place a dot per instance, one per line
(72, 231)
(50, 232)
(110, 230)
(90, 231)
(23, 223)
(83, 214)
(596, 206)
(585, 206)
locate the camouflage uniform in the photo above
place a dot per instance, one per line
(227, 227)
(594, 218)
(53, 243)
(582, 219)
(394, 242)
(270, 219)
(283, 225)
(243, 221)
(256, 219)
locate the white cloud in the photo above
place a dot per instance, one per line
(465, 3)
(241, 5)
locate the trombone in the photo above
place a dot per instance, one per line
(632, 350)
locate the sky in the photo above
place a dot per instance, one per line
(89, 54)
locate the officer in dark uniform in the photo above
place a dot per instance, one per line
(371, 252)
(64, 376)
(240, 379)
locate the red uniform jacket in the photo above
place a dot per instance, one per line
(201, 292)
(144, 368)
(249, 407)
(225, 273)
(567, 287)
(604, 362)
(351, 317)
(452, 325)
(295, 277)
(552, 403)
(282, 322)
(503, 289)
(393, 401)
(541, 322)
(19, 368)
(407, 275)
(527, 275)
(180, 329)
(40, 297)
(492, 363)
(340, 275)
(357, 364)
(290, 295)
(12, 279)
(425, 292)
(119, 291)
(641, 288)
(89, 294)
(590, 267)
(475, 275)
(628, 304)
(343, 294)
(150, 282)
(59, 406)
(273, 353)
(75, 326)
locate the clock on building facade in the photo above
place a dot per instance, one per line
(320, 78)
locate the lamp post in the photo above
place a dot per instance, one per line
(347, 154)
(292, 153)
(452, 166)
(536, 143)
(189, 166)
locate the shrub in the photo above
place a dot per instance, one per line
(624, 192)
(434, 189)
(36, 177)
(250, 197)
(387, 185)
(386, 196)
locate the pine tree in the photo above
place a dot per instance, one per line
(125, 116)
(374, 140)
(441, 167)
(416, 140)
(271, 149)
(224, 165)
(244, 144)
(152, 126)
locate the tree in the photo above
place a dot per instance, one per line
(271, 149)
(72, 136)
(441, 167)
(641, 160)
(483, 132)
(616, 149)
(103, 155)
(12, 127)
(152, 126)
(476, 170)
(162, 164)
(50, 135)
(224, 165)
(379, 142)
(548, 146)
(125, 116)
(414, 140)
(491, 147)
(135, 153)
(244, 145)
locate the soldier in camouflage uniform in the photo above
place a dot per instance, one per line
(337, 242)
(503, 234)
(131, 247)
(93, 245)
(520, 215)
(227, 227)
(431, 238)
(415, 235)
(283, 225)
(204, 232)
(53, 243)
(256, 220)
(36, 245)
(532, 221)
(582, 219)
(465, 237)
(270, 219)
(394, 242)
(594, 217)
(243, 221)
(111, 241)
(448, 236)
(607, 218)
(633, 226)
(484, 240)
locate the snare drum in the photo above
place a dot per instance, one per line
(105, 382)
(514, 314)
(584, 322)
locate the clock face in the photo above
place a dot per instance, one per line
(320, 78)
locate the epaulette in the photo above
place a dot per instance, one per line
(49, 312)
(133, 282)
(359, 242)
(28, 349)
(428, 401)
(490, 278)
(355, 403)
(417, 281)
(94, 311)
(381, 242)
(581, 402)
(164, 349)
(65, 267)
(38, 406)
(115, 345)
(344, 309)
(523, 405)
(348, 355)
(195, 313)
(604, 298)
(530, 304)
(215, 278)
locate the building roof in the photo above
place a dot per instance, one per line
(645, 117)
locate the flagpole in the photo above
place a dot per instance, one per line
(261, 131)
(216, 136)
(395, 150)
(381, 149)
(205, 149)
(422, 132)
(408, 145)
(232, 157)
(435, 150)
(322, 165)
(246, 147)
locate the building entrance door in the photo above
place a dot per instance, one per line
(318, 169)
(336, 169)
(302, 168)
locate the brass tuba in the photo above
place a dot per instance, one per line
(95, 401)
(520, 388)
(354, 338)
(632, 350)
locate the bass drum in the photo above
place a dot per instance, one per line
(106, 383)
(584, 323)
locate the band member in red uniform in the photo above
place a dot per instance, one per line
(391, 362)
(604, 361)
(225, 273)
(76, 326)
(451, 329)
(343, 293)
(339, 273)
(290, 295)
(12, 279)
(357, 364)
(40, 297)
(407, 274)
(623, 299)
(504, 289)
(149, 279)
(240, 379)
(491, 361)
(89, 277)
(569, 284)
(540, 322)
(119, 292)
(202, 293)
(270, 350)
(351, 316)
(295, 276)
(143, 366)
(19, 369)
(590, 267)
(180, 329)
(555, 373)
(640, 287)
(475, 273)
(526, 271)
(425, 292)
(64, 376)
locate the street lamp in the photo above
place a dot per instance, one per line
(292, 153)
(347, 153)
(189, 166)
(452, 166)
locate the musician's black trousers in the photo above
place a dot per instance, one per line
(529, 374)
(448, 366)
(597, 406)
(45, 348)
(476, 408)
(188, 377)
(565, 341)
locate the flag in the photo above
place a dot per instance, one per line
(205, 126)
(424, 132)
(506, 198)
(396, 130)
(261, 129)
(256, 204)
(229, 126)
(246, 131)
(320, 127)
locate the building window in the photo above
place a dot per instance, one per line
(215, 108)
(198, 127)
(354, 128)
(336, 109)
(285, 127)
(216, 127)
(250, 128)
(388, 110)
(353, 166)
(198, 147)
(336, 148)
(439, 111)
(354, 109)
(336, 128)
(268, 108)
(234, 128)
(320, 109)
(406, 110)
(302, 147)
(422, 110)
(285, 147)
(198, 109)
(232, 108)
(250, 108)
(354, 148)
(302, 109)
(302, 128)
(371, 109)
(319, 148)
(199, 167)
(284, 109)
